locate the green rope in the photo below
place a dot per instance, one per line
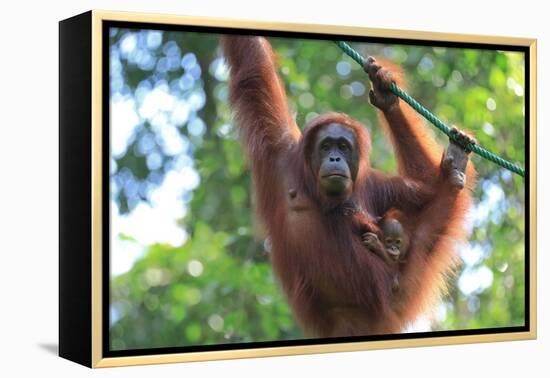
(433, 119)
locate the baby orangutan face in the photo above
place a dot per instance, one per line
(396, 239)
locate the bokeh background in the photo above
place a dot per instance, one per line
(187, 261)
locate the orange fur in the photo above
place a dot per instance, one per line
(334, 285)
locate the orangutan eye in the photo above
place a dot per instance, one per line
(343, 146)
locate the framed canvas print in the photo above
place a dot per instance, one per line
(234, 189)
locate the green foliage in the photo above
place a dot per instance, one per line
(216, 286)
(198, 293)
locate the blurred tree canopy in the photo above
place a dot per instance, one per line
(188, 264)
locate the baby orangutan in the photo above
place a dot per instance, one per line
(396, 240)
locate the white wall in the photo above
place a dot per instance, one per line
(28, 203)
